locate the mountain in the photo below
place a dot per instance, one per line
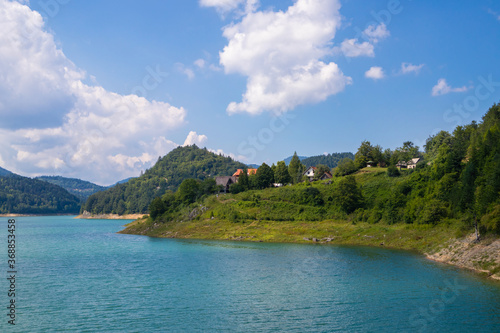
(330, 160)
(288, 159)
(22, 195)
(80, 188)
(253, 166)
(167, 174)
(123, 181)
(4, 173)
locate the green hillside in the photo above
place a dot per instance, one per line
(330, 160)
(455, 188)
(22, 195)
(80, 188)
(167, 174)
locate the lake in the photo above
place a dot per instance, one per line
(79, 275)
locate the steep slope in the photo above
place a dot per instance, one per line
(22, 195)
(167, 174)
(79, 188)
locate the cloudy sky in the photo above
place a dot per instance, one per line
(98, 90)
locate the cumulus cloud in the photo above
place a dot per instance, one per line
(442, 88)
(194, 139)
(51, 122)
(352, 48)
(407, 68)
(281, 54)
(375, 73)
(372, 35)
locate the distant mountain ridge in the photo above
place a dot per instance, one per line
(288, 159)
(168, 173)
(22, 195)
(80, 188)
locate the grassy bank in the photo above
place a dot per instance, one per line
(408, 237)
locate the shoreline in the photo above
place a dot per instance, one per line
(109, 216)
(31, 215)
(436, 244)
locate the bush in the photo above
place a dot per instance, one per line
(392, 171)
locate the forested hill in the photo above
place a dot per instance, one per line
(22, 195)
(167, 174)
(289, 158)
(4, 172)
(330, 160)
(80, 188)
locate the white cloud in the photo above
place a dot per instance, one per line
(407, 68)
(372, 35)
(281, 54)
(181, 68)
(225, 6)
(376, 33)
(194, 139)
(375, 73)
(200, 63)
(352, 48)
(442, 88)
(222, 5)
(54, 123)
(240, 158)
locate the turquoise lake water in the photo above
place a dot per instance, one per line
(80, 276)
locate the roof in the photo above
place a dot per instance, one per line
(326, 175)
(225, 180)
(240, 171)
(414, 160)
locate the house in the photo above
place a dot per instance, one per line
(371, 164)
(309, 173)
(401, 165)
(225, 182)
(240, 171)
(325, 176)
(413, 163)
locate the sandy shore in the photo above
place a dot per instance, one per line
(110, 216)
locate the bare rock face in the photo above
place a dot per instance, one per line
(483, 256)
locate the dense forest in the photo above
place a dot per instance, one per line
(166, 175)
(456, 182)
(79, 188)
(330, 160)
(22, 195)
(4, 172)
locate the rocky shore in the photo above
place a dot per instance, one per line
(482, 256)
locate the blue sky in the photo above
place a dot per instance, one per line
(96, 90)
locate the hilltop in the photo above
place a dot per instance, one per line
(4, 172)
(167, 174)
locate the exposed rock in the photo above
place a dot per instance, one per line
(467, 253)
